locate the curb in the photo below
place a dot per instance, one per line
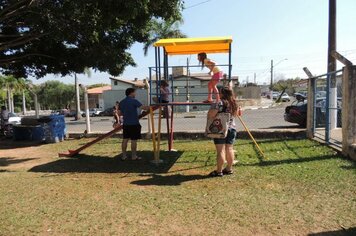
(265, 134)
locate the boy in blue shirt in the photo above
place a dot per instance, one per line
(128, 108)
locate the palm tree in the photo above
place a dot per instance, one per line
(23, 86)
(163, 29)
(10, 83)
(87, 72)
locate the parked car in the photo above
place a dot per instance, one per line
(94, 112)
(107, 112)
(285, 97)
(74, 113)
(14, 119)
(297, 112)
(275, 95)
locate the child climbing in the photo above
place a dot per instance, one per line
(216, 73)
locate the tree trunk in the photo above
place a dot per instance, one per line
(8, 99)
(23, 102)
(12, 102)
(78, 115)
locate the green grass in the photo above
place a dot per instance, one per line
(302, 188)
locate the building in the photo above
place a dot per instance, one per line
(122, 84)
(95, 96)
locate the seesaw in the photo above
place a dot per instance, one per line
(72, 153)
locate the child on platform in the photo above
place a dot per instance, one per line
(216, 73)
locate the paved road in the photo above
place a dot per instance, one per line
(271, 118)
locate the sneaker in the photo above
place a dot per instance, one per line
(227, 172)
(216, 174)
(136, 158)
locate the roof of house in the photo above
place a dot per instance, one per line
(136, 83)
(187, 46)
(99, 90)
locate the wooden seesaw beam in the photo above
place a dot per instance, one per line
(72, 153)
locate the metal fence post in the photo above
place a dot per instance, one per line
(327, 109)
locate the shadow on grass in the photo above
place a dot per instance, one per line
(168, 180)
(103, 164)
(11, 144)
(341, 232)
(6, 161)
(291, 161)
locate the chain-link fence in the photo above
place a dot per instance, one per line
(258, 113)
(327, 107)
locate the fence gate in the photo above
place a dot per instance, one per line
(327, 99)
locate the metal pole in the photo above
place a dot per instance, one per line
(314, 105)
(78, 114)
(159, 72)
(332, 63)
(271, 85)
(148, 88)
(327, 110)
(86, 104)
(230, 66)
(187, 87)
(156, 64)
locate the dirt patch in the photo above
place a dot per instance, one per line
(24, 156)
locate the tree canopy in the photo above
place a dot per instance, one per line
(38, 37)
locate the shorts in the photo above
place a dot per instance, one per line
(132, 132)
(230, 138)
(217, 76)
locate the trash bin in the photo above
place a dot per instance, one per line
(28, 132)
(51, 129)
(54, 128)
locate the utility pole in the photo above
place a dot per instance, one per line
(78, 114)
(271, 85)
(332, 63)
(254, 78)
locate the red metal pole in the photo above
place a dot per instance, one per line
(166, 113)
(171, 134)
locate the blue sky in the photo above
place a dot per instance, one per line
(262, 30)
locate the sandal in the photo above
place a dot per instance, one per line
(227, 172)
(216, 174)
(136, 158)
(123, 158)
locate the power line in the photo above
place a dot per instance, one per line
(197, 4)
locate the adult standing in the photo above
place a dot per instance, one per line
(129, 109)
(224, 147)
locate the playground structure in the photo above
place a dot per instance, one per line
(182, 46)
(161, 71)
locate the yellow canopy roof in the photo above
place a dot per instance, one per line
(186, 46)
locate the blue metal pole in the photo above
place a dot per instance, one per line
(150, 83)
(159, 72)
(156, 63)
(314, 105)
(230, 66)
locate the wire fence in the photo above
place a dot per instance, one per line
(327, 107)
(258, 113)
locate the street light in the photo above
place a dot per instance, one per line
(272, 66)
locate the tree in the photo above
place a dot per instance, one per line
(55, 95)
(285, 85)
(10, 84)
(22, 86)
(38, 37)
(161, 29)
